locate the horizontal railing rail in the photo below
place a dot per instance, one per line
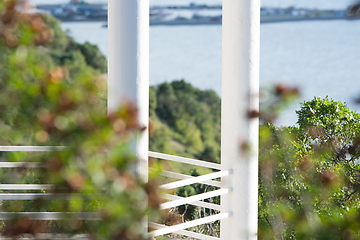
(36, 196)
(21, 165)
(51, 215)
(26, 186)
(32, 148)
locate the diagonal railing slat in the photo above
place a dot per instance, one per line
(196, 203)
(194, 198)
(193, 180)
(184, 232)
(190, 224)
(185, 160)
(184, 176)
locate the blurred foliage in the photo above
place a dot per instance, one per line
(52, 94)
(274, 100)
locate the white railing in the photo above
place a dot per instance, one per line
(183, 176)
(35, 196)
(196, 200)
(50, 215)
(193, 180)
(31, 148)
(173, 200)
(165, 230)
(185, 160)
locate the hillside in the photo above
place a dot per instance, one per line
(185, 121)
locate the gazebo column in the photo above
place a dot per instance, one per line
(128, 65)
(239, 132)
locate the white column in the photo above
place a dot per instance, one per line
(239, 133)
(128, 65)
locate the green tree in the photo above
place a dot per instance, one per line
(308, 175)
(66, 51)
(330, 124)
(192, 118)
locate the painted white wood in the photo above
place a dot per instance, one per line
(189, 224)
(196, 203)
(32, 148)
(193, 180)
(185, 160)
(189, 200)
(26, 186)
(239, 133)
(20, 164)
(50, 215)
(184, 232)
(34, 196)
(128, 66)
(184, 176)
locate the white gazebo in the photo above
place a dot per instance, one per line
(128, 55)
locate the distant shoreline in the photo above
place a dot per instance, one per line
(159, 14)
(263, 20)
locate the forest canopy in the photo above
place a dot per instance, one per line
(186, 119)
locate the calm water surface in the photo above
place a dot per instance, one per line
(320, 57)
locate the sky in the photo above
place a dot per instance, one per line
(323, 4)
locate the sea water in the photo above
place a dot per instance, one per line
(320, 57)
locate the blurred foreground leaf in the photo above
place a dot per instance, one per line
(51, 96)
